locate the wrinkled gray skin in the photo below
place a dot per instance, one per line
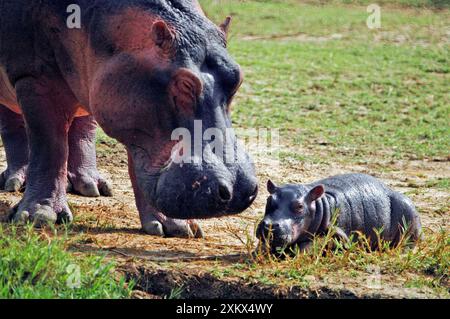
(295, 213)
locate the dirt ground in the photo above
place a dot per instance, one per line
(111, 225)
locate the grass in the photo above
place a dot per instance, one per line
(363, 93)
(442, 183)
(103, 139)
(37, 265)
(292, 17)
(348, 97)
(175, 293)
(433, 4)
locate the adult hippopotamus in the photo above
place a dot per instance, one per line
(365, 205)
(141, 69)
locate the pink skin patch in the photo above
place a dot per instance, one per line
(8, 94)
(8, 98)
(131, 32)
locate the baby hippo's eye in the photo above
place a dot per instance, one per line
(297, 207)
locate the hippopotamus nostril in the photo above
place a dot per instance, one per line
(263, 229)
(224, 193)
(267, 225)
(272, 227)
(268, 230)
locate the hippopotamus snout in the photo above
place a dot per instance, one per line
(203, 190)
(287, 217)
(275, 233)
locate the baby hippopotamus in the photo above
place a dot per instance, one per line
(296, 213)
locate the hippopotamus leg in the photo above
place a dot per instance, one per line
(82, 173)
(340, 234)
(157, 224)
(12, 129)
(48, 107)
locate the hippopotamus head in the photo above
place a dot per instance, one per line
(290, 210)
(164, 75)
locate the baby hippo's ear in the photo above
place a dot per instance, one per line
(185, 89)
(315, 193)
(271, 187)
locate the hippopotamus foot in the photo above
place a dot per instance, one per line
(88, 183)
(12, 129)
(157, 224)
(41, 212)
(83, 175)
(160, 225)
(13, 180)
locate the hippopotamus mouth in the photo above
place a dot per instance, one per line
(273, 238)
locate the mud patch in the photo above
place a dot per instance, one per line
(196, 284)
(205, 286)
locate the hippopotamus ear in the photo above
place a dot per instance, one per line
(315, 193)
(185, 88)
(162, 35)
(225, 26)
(271, 187)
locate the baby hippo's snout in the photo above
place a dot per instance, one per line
(276, 234)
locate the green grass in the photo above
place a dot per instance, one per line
(103, 139)
(366, 93)
(292, 17)
(384, 97)
(443, 183)
(363, 94)
(35, 265)
(434, 4)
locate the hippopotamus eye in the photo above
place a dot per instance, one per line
(297, 207)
